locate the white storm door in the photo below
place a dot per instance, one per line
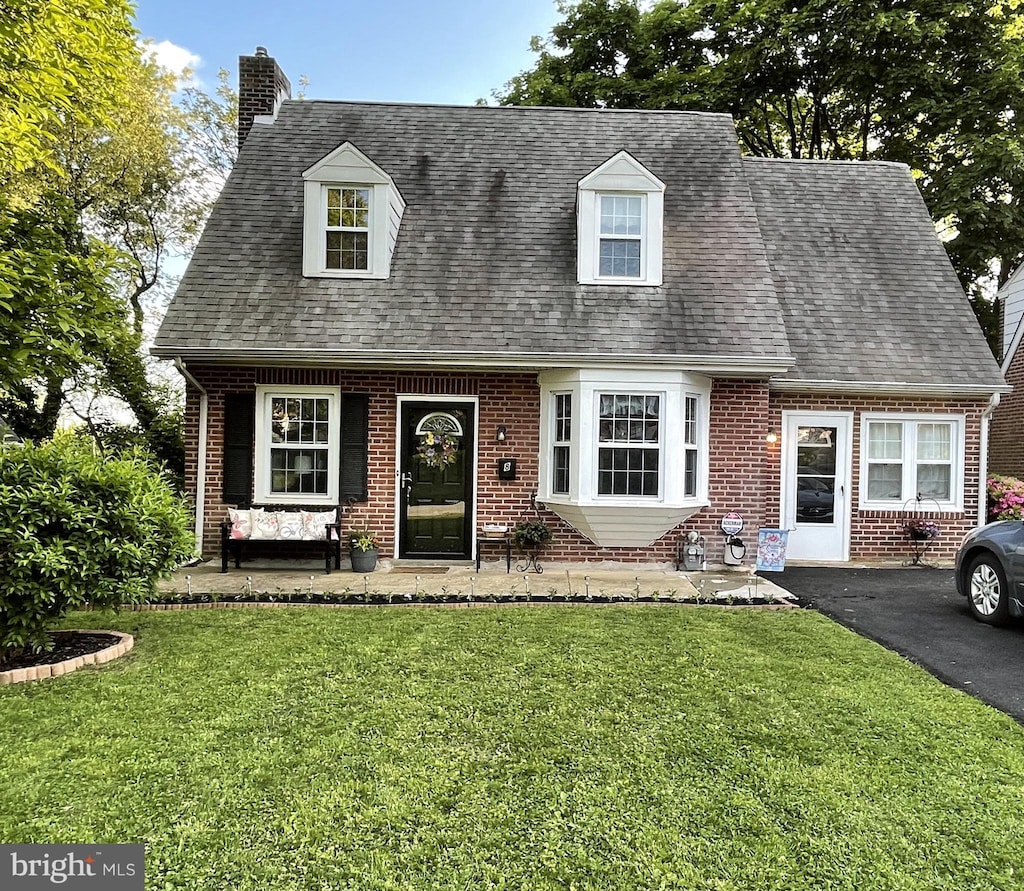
(816, 485)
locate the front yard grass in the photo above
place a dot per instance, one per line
(526, 748)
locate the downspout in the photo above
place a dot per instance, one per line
(204, 413)
(986, 416)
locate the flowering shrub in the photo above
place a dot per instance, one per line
(1005, 498)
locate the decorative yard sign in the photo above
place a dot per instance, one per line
(732, 523)
(771, 550)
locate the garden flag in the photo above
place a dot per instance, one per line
(771, 549)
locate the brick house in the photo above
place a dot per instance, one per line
(461, 316)
(1006, 440)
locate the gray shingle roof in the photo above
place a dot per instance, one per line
(486, 257)
(866, 288)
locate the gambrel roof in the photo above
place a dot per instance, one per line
(801, 270)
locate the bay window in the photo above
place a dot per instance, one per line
(621, 450)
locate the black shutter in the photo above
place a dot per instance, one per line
(355, 423)
(239, 423)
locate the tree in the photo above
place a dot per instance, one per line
(937, 86)
(88, 222)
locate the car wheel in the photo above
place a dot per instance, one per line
(987, 593)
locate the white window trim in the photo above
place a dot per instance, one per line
(315, 236)
(620, 175)
(263, 443)
(585, 386)
(958, 440)
(326, 228)
(600, 236)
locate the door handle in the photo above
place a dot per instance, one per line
(407, 486)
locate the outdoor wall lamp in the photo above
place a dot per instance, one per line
(772, 437)
(500, 435)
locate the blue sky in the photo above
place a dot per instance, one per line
(445, 51)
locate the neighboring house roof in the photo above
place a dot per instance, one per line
(484, 271)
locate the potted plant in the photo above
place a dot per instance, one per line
(529, 538)
(922, 530)
(363, 545)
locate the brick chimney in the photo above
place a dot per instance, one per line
(262, 87)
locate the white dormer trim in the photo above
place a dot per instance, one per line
(620, 176)
(348, 168)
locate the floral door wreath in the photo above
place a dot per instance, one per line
(439, 433)
(437, 449)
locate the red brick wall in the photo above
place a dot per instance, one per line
(1006, 432)
(744, 467)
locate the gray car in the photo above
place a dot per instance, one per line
(990, 571)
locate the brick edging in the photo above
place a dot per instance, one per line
(41, 672)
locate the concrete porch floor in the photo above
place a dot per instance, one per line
(425, 577)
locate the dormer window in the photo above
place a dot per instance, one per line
(619, 224)
(353, 211)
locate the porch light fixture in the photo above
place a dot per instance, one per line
(772, 437)
(500, 435)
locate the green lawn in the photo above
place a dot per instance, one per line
(528, 748)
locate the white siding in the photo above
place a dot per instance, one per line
(1012, 296)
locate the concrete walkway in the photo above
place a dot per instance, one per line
(412, 577)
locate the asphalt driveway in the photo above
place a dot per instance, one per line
(917, 613)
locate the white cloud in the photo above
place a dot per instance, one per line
(172, 57)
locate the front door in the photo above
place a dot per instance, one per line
(436, 483)
(816, 486)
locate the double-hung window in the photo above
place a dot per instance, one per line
(347, 227)
(620, 236)
(562, 443)
(910, 457)
(629, 444)
(690, 446)
(297, 445)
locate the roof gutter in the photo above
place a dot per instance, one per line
(204, 414)
(717, 365)
(889, 388)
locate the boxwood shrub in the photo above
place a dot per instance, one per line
(77, 528)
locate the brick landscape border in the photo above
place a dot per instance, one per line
(41, 672)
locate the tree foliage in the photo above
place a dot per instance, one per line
(59, 63)
(937, 86)
(91, 211)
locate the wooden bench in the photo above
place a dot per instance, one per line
(329, 546)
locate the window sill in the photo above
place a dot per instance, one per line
(942, 507)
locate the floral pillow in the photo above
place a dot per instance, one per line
(264, 523)
(241, 527)
(289, 525)
(314, 524)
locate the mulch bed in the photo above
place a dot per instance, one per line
(66, 645)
